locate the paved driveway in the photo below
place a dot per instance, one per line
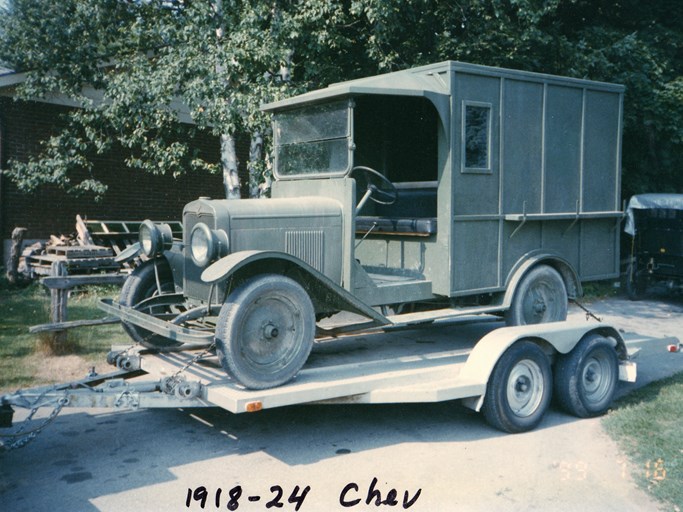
(423, 457)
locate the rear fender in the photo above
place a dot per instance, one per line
(553, 338)
(327, 296)
(566, 270)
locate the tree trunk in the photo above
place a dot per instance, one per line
(13, 262)
(231, 179)
(258, 184)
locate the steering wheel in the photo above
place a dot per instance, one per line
(373, 190)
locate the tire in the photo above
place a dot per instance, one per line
(586, 378)
(141, 285)
(265, 331)
(540, 297)
(519, 389)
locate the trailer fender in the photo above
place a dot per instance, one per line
(566, 270)
(553, 337)
(327, 296)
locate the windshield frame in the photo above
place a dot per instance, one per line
(345, 104)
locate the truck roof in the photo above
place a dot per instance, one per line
(427, 81)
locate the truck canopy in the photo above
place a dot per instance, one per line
(650, 201)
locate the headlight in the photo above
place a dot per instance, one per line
(207, 245)
(155, 238)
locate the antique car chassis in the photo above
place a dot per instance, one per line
(400, 200)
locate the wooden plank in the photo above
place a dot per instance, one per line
(80, 251)
(61, 326)
(68, 282)
(83, 234)
(58, 301)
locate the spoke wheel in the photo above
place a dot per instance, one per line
(541, 297)
(586, 378)
(140, 285)
(265, 331)
(519, 389)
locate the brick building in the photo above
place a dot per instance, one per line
(131, 195)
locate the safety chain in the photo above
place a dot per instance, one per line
(171, 382)
(25, 437)
(589, 313)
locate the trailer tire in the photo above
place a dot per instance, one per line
(540, 297)
(586, 378)
(141, 284)
(519, 389)
(265, 331)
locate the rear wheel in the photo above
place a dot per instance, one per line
(586, 378)
(142, 284)
(635, 281)
(265, 331)
(540, 297)
(519, 389)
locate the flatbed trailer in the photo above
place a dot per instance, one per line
(414, 365)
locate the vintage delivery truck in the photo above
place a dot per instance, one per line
(404, 199)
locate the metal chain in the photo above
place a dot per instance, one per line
(589, 313)
(175, 379)
(25, 437)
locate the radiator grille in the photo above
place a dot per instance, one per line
(306, 245)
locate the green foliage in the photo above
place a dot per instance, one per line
(220, 60)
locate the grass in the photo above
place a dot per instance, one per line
(648, 425)
(600, 290)
(28, 360)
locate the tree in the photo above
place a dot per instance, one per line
(149, 61)
(149, 57)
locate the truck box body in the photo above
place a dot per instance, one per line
(493, 164)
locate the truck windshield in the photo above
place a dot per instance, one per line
(312, 140)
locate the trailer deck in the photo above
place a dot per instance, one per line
(414, 365)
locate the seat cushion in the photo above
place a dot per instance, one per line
(398, 226)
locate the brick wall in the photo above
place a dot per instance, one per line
(132, 195)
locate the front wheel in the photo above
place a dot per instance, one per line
(519, 389)
(150, 279)
(540, 297)
(586, 378)
(265, 331)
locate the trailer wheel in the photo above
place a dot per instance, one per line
(142, 284)
(265, 331)
(540, 297)
(586, 378)
(519, 389)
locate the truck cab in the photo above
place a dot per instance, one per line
(423, 194)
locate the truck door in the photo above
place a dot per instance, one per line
(475, 243)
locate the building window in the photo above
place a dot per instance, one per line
(476, 129)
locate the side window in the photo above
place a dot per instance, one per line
(476, 138)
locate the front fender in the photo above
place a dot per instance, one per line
(327, 295)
